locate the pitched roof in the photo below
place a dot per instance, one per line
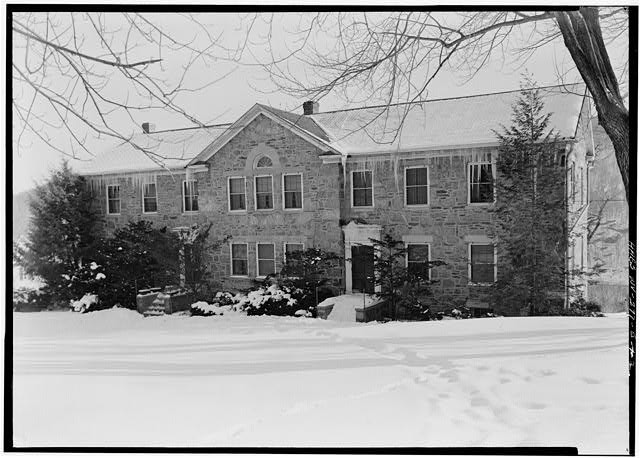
(442, 123)
(174, 150)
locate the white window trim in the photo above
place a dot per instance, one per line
(275, 265)
(231, 274)
(495, 264)
(373, 194)
(119, 199)
(406, 255)
(142, 192)
(229, 194)
(493, 174)
(255, 194)
(428, 187)
(284, 249)
(184, 203)
(301, 192)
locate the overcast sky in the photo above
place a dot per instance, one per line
(243, 86)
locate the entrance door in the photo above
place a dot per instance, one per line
(362, 268)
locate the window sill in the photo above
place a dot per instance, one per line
(191, 212)
(480, 204)
(416, 207)
(114, 214)
(149, 213)
(238, 276)
(264, 210)
(362, 207)
(292, 209)
(237, 212)
(472, 283)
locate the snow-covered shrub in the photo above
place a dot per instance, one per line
(89, 302)
(202, 308)
(271, 300)
(28, 299)
(222, 303)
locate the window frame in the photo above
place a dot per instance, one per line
(119, 200)
(470, 264)
(184, 197)
(284, 191)
(373, 194)
(244, 178)
(231, 274)
(259, 158)
(255, 194)
(470, 165)
(428, 186)
(258, 259)
(155, 183)
(407, 244)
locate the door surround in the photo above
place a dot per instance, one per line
(357, 234)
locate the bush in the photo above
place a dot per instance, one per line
(223, 302)
(582, 307)
(271, 300)
(29, 300)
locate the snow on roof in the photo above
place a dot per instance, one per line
(442, 123)
(172, 148)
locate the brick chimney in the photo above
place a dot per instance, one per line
(310, 107)
(147, 127)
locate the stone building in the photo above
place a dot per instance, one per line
(276, 181)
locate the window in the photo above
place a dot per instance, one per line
(292, 188)
(266, 259)
(480, 183)
(362, 186)
(264, 162)
(237, 194)
(149, 198)
(190, 196)
(264, 192)
(295, 267)
(481, 263)
(418, 260)
(239, 264)
(416, 186)
(113, 199)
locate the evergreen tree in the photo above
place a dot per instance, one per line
(530, 208)
(61, 230)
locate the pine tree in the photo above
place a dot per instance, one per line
(530, 208)
(61, 230)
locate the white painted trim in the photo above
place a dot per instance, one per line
(479, 239)
(197, 168)
(184, 206)
(493, 174)
(417, 239)
(142, 195)
(229, 194)
(301, 192)
(406, 255)
(373, 199)
(495, 264)
(255, 194)
(275, 266)
(119, 199)
(428, 186)
(231, 274)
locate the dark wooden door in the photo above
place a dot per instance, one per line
(362, 268)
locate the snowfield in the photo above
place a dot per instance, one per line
(114, 378)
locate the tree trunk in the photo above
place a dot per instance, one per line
(583, 37)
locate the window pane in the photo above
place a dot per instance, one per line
(239, 251)
(293, 199)
(362, 197)
(485, 173)
(266, 267)
(293, 247)
(417, 177)
(150, 190)
(263, 184)
(114, 206)
(482, 254)
(265, 201)
(113, 192)
(264, 161)
(418, 253)
(482, 273)
(238, 202)
(239, 267)
(236, 185)
(361, 179)
(417, 195)
(292, 183)
(481, 180)
(266, 251)
(150, 204)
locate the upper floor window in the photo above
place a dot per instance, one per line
(239, 258)
(264, 192)
(418, 260)
(190, 196)
(480, 182)
(362, 188)
(149, 198)
(416, 186)
(482, 263)
(264, 162)
(292, 189)
(113, 199)
(266, 259)
(237, 194)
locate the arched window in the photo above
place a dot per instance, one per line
(263, 162)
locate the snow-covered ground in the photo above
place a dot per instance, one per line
(114, 378)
